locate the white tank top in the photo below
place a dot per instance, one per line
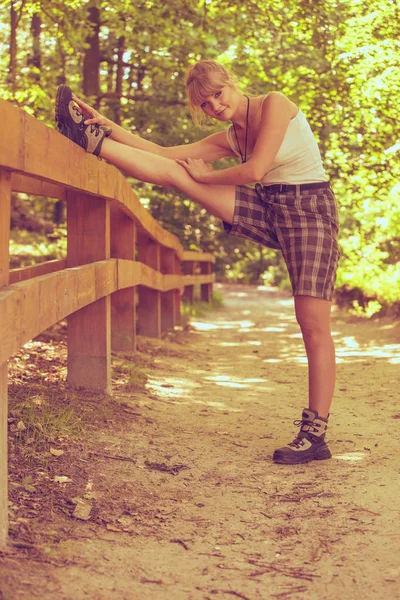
(298, 159)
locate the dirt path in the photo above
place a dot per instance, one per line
(197, 510)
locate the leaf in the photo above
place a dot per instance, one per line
(113, 528)
(29, 488)
(82, 510)
(62, 479)
(56, 452)
(21, 426)
(90, 495)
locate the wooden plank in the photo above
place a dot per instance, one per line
(89, 329)
(123, 302)
(5, 217)
(149, 307)
(3, 456)
(25, 149)
(5, 209)
(129, 273)
(12, 136)
(198, 256)
(27, 308)
(24, 273)
(31, 185)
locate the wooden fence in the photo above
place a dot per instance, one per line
(123, 272)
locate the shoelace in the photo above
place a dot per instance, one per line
(79, 114)
(94, 127)
(299, 441)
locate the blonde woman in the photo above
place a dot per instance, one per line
(291, 207)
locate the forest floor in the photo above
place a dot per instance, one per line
(167, 491)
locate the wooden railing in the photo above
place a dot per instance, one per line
(123, 272)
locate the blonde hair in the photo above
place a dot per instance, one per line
(204, 79)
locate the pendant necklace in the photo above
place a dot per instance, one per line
(243, 156)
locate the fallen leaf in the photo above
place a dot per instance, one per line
(112, 528)
(62, 479)
(82, 510)
(56, 452)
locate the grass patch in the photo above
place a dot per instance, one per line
(199, 308)
(38, 420)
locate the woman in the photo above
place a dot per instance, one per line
(292, 208)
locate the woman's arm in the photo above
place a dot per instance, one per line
(277, 112)
(209, 149)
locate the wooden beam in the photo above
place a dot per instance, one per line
(123, 302)
(27, 308)
(5, 215)
(25, 149)
(198, 256)
(24, 273)
(89, 329)
(31, 185)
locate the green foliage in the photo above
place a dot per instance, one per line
(30, 247)
(339, 60)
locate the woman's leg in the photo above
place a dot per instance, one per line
(313, 316)
(145, 166)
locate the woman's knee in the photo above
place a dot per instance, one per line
(314, 330)
(313, 318)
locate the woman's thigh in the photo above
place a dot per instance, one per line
(219, 200)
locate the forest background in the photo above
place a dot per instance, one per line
(339, 60)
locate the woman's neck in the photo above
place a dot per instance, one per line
(240, 115)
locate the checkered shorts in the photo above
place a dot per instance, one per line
(302, 222)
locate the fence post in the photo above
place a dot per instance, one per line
(149, 308)
(5, 209)
(168, 299)
(178, 293)
(89, 329)
(188, 269)
(206, 288)
(123, 302)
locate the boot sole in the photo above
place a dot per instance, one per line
(60, 98)
(321, 454)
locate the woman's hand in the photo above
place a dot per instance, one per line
(93, 116)
(196, 167)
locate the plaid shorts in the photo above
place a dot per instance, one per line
(302, 222)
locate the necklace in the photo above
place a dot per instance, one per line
(243, 157)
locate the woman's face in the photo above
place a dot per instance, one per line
(221, 104)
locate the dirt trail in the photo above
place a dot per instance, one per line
(201, 512)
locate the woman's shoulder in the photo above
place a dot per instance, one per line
(276, 99)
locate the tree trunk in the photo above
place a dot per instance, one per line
(12, 69)
(91, 62)
(35, 60)
(59, 215)
(120, 74)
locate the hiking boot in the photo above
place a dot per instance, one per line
(71, 123)
(310, 442)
